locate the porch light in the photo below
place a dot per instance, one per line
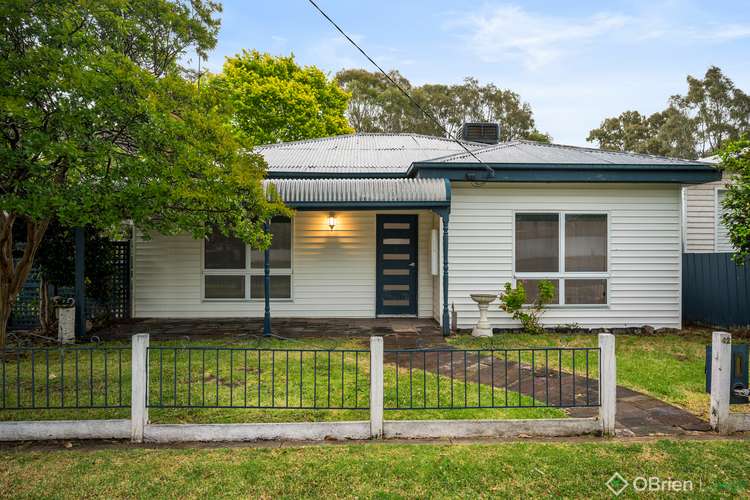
(331, 220)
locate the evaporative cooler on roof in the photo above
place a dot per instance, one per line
(487, 133)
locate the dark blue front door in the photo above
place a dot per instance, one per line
(396, 264)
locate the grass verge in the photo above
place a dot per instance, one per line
(573, 470)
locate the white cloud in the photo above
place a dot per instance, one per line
(510, 32)
(335, 53)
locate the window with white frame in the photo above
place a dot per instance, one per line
(233, 271)
(569, 250)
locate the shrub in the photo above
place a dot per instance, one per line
(513, 301)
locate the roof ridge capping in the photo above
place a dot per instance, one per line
(366, 134)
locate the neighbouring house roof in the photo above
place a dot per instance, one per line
(414, 155)
(361, 193)
(369, 154)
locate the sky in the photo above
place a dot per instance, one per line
(575, 62)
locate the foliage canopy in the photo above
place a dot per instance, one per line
(377, 106)
(100, 123)
(694, 125)
(275, 100)
(735, 158)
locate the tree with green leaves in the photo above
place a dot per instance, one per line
(276, 100)
(100, 124)
(377, 106)
(693, 125)
(735, 160)
(666, 133)
(720, 110)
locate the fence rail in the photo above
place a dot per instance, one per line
(37, 378)
(492, 378)
(219, 377)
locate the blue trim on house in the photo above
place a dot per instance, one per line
(266, 286)
(544, 172)
(532, 172)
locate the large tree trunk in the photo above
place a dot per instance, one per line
(13, 274)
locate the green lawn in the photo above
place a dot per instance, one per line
(669, 367)
(179, 376)
(574, 470)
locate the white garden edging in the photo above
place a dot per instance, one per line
(64, 429)
(543, 427)
(302, 431)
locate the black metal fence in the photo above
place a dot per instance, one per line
(38, 378)
(715, 290)
(491, 378)
(219, 377)
(306, 379)
(25, 314)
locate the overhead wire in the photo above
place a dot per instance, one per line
(399, 87)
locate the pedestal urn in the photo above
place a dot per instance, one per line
(483, 327)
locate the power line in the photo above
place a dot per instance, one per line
(399, 87)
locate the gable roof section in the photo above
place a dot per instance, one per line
(528, 161)
(355, 155)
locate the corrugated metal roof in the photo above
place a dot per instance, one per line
(519, 152)
(391, 155)
(358, 153)
(361, 191)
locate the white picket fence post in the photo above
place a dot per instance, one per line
(721, 367)
(139, 385)
(376, 387)
(607, 383)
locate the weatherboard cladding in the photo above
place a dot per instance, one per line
(361, 191)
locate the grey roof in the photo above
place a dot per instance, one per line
(357, 154)
(354, 192)
(529, 152)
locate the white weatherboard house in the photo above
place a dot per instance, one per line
(409, 225)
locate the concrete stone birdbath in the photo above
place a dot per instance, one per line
(483, 327)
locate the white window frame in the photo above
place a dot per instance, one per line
(561, 275)
(248, 272)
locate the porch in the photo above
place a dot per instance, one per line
(397, 333)
(355, 248)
